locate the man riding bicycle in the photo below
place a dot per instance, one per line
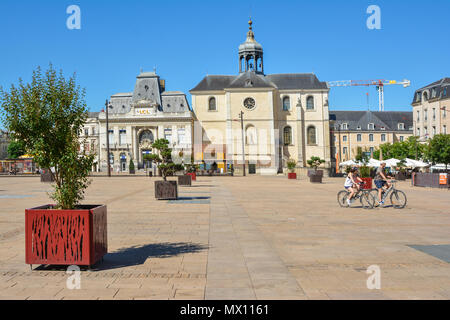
(381, 181)
(352, 184)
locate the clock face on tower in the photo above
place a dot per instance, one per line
(249, 103)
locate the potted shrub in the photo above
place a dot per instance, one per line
(315, 176)
(191, 170)
(291, 164)
(131, 167)
(46, 116)
(366, 177)
(165, 189)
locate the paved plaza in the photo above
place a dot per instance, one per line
(251, 237)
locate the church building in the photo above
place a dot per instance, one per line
(284, 116)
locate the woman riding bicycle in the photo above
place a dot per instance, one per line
(352, 184)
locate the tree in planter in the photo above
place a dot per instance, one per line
(315, 162)
(46, 117)
(164, 158)
(291, 164)
(438, 149)
(131, 166)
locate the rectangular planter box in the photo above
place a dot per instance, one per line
(46, 176)
(167, 190)
(193, 175)
(185, 180)
(315, 178)
(292, 176)
(430, 180)
(66, 237)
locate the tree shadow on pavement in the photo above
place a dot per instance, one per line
(132, 256)
(137, 255)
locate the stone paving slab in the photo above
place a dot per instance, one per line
(238, 238)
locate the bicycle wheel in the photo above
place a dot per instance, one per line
(398, 199)
(367, 200)
(342, 199)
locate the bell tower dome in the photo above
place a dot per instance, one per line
(251, 53)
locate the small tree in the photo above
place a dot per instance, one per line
(438, 149)
(361, 155)
(315, 162)
(46, 117)
(364, 171)
(291, 164)
(15, 149)
(164, 158)
(131, 166)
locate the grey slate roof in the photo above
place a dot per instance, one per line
(93, 115)
(441, 87)
(387, 119)
(294, 81)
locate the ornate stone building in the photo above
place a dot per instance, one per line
(285, 116)
(138, 118)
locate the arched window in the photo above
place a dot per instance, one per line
(287, 136)
(146, 135)
(286, 104)
(371, 137)
(310, 103)
(425, 96)
(250, 135)
(311, 135)
(212, 104)
(358, 137)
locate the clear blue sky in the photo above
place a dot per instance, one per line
(185, 40)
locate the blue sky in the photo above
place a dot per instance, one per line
(186, 40)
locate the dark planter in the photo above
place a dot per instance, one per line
(292, 176)
(46, 176)
(132, 172)
(315, 178)
(401, 176)
(150, 174)
(367, 183)
(193, 176)
(185, 180)
(166, 190)
(66, 237)
(315, 173)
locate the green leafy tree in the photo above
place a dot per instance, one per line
(361, 155)
(438, 149)
(401, 149)
(291, 164)
(164, 158)
(315, 162)
(15, 149)
(46, 117)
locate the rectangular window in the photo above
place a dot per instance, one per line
(434, 113)
(402, 138)
(168, 135)
(371, 126)
(93, 131)
(111, 136)
(181, 135)
(418, 132)
(122, 137)
(358, 137)
(383, 137)
(425, 114)
(344, 126)
(371, 150)
(434, 130)
(344, 138)
(371, 137)
(86, 131)
(344, 150)
(444, 112)
(418, 116)
(401, 126)
(444, 129)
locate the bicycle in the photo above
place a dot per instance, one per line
(398, 198)
(365, 197)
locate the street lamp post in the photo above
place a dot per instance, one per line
(241, 116)
(108, 161)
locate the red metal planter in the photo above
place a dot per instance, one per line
(292, 175)
(65, 237)
(367, 183)
(193, 175)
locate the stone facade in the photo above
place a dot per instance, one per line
(4, 143)
(430, 108)
(285, 116)
(366, 129)
(135, 120)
